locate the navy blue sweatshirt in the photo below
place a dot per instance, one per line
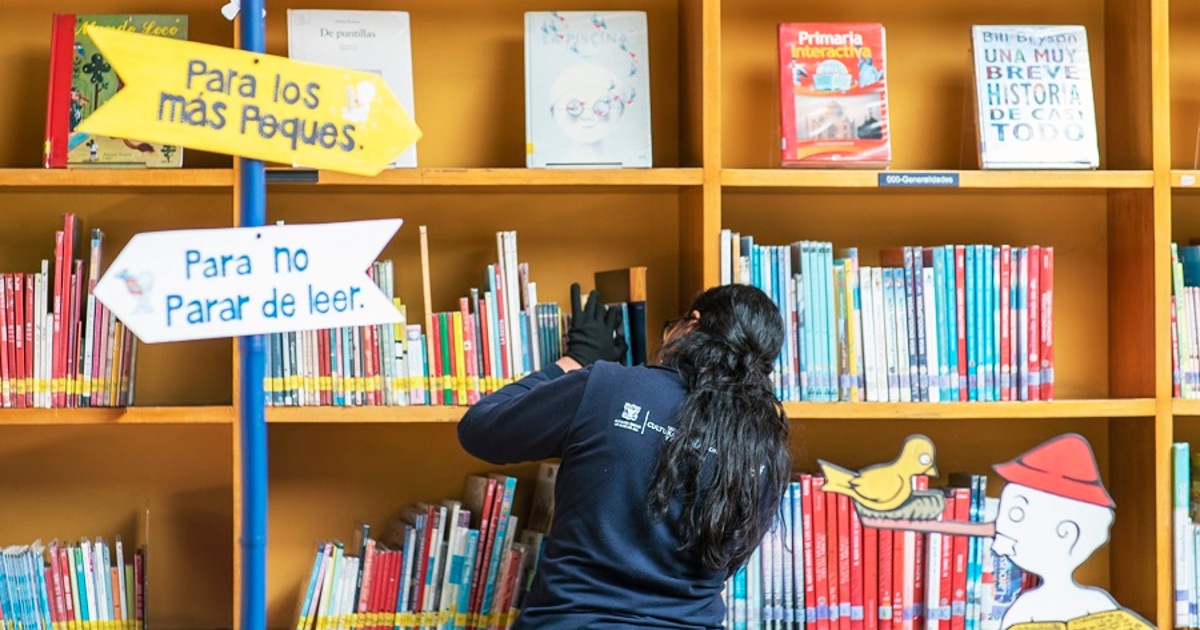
(606, 564)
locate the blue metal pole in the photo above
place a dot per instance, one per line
(253, 197)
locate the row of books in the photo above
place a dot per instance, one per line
(587, 88)
(59, 347)
(1034, 106)
(498, 334)
(943, 323)
(819, 567)
(454, 564)
(1185, 525)
(74, 586)
(1185, 320)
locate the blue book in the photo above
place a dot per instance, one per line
(952, 368)
(464, 582)
(941, 379)
(831, 338)
(803, 263)
(1184, 538)
(989, 338)
(972, 291)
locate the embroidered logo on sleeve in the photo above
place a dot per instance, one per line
(630, 418)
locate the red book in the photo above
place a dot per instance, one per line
(73, 372)
(833, 90)
(886, 550)
(845, 562)
(1006, 341)
(381, 586)
(870, 570)
(58, 104)
(57, 310)
(6, 371)
(479, 497)
(856, 568)
(470, 348)
(809, 579)
(485, 346)
(919, 540)
(832, 561)
(17, 335)
(958, 599)
(960, 308)
(1034, 302)
(1046, 314)
(821, 554)
(68, 583)
(899, 602)
(70, 230)
(30, 373)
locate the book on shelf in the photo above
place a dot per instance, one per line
(499, 333)
(451, 564)
(59, 347)
(88, 584)
(371, 41)
(833, 95)
(930, 324)
(627, 288)
(1034, 106)
(81, 80)
(587, 89)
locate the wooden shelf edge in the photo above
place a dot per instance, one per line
(504, 177)
(216, 414)
(996, 180)
(415, 414)
(1115, 408)
(1185, 179)
(1182, 407)
(116, 178)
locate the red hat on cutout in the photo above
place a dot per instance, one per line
(1064, 466)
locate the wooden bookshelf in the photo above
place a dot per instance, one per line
(994, 180)
(715, 124)
(1096, 409)
(211, 414)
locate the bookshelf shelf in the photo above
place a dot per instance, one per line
(186, 178)
(207, 415)
(1115, 408)
(1185, 180)
(714, 68)
(1181, 407)
(365, 415)
(997, 180)
(499, 177)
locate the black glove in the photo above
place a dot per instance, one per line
(595, 335)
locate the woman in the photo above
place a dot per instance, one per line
(670, 474)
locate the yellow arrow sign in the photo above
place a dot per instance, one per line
(251, 105)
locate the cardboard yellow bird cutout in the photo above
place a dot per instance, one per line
(1052, 515)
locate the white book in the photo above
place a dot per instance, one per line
(889, 388)
(726, 260)
(370, 41)
(587, 89)
(867, 336)
(1034, 102)
(904, 368)
(933, 580)
(932, 334)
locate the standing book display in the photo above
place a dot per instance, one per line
(1033, 97)
(587, 89)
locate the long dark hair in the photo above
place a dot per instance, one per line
(730, 419)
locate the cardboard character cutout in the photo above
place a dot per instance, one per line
(1054, 513)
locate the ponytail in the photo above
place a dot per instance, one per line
(728, 460)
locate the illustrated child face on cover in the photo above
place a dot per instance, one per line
(1047, 534)
(587, 103)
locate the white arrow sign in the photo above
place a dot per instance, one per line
(203, 284)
